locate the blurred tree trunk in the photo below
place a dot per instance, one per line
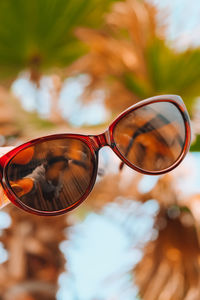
(35, 261)
(55, 111)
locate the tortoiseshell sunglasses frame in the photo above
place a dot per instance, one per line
(95, 143)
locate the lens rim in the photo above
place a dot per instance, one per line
(178, 102)
(10, 155)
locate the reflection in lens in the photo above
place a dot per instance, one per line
(151, 137)
(53, 175)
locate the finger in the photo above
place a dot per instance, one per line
(3, 198)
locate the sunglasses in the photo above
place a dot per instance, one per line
(52, 175)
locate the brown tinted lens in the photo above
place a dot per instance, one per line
(151, 137)
(51, 175)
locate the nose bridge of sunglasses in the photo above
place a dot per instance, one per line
(100, 140)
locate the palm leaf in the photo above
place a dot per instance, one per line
(39, 33)
(172, 72)
(157, 69)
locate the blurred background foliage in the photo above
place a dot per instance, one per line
(122, 54)
(132, 53)
(41, 33)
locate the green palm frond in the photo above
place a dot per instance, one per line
(168, 72)
(174, 72)
(39, 34)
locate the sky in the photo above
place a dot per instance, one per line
(183, 20)
(101, 252)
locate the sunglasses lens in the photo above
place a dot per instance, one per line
(151, 137)
(51, 175)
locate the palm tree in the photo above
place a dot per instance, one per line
(131, 59)
(38, 37)
(35, 260)
(170, 265)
